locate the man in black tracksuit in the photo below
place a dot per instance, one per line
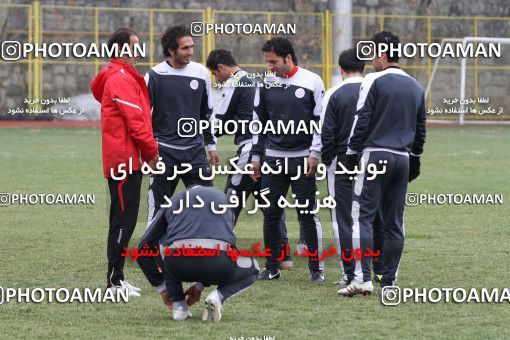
(339, 108)
(184, 227)
(338, 111)
(179, 93)
(389, 127)
(293, 95)
(237, 95)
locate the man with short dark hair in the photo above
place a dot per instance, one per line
(294, 95)
(179, 92)
(388, 131)
(237, 95)
(126, 135)
(338, 110)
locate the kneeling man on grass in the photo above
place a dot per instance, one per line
(193, 237)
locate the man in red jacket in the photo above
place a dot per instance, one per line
(127, 141)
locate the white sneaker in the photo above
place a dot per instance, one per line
(130, 286)
(344, 281)
(125, 289)
(356, 287)
(213, 307)
(181, 314)
(132, 289)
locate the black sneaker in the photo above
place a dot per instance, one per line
(387, 283)
(268, 275)
(317, 276)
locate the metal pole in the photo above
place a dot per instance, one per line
(341, 32)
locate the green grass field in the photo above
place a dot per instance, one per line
(65, 246)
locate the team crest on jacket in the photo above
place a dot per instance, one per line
(300, 93)
(194, 84)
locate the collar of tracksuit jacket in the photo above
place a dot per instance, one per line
(292, 72)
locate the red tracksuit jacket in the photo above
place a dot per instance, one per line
(125, 116)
